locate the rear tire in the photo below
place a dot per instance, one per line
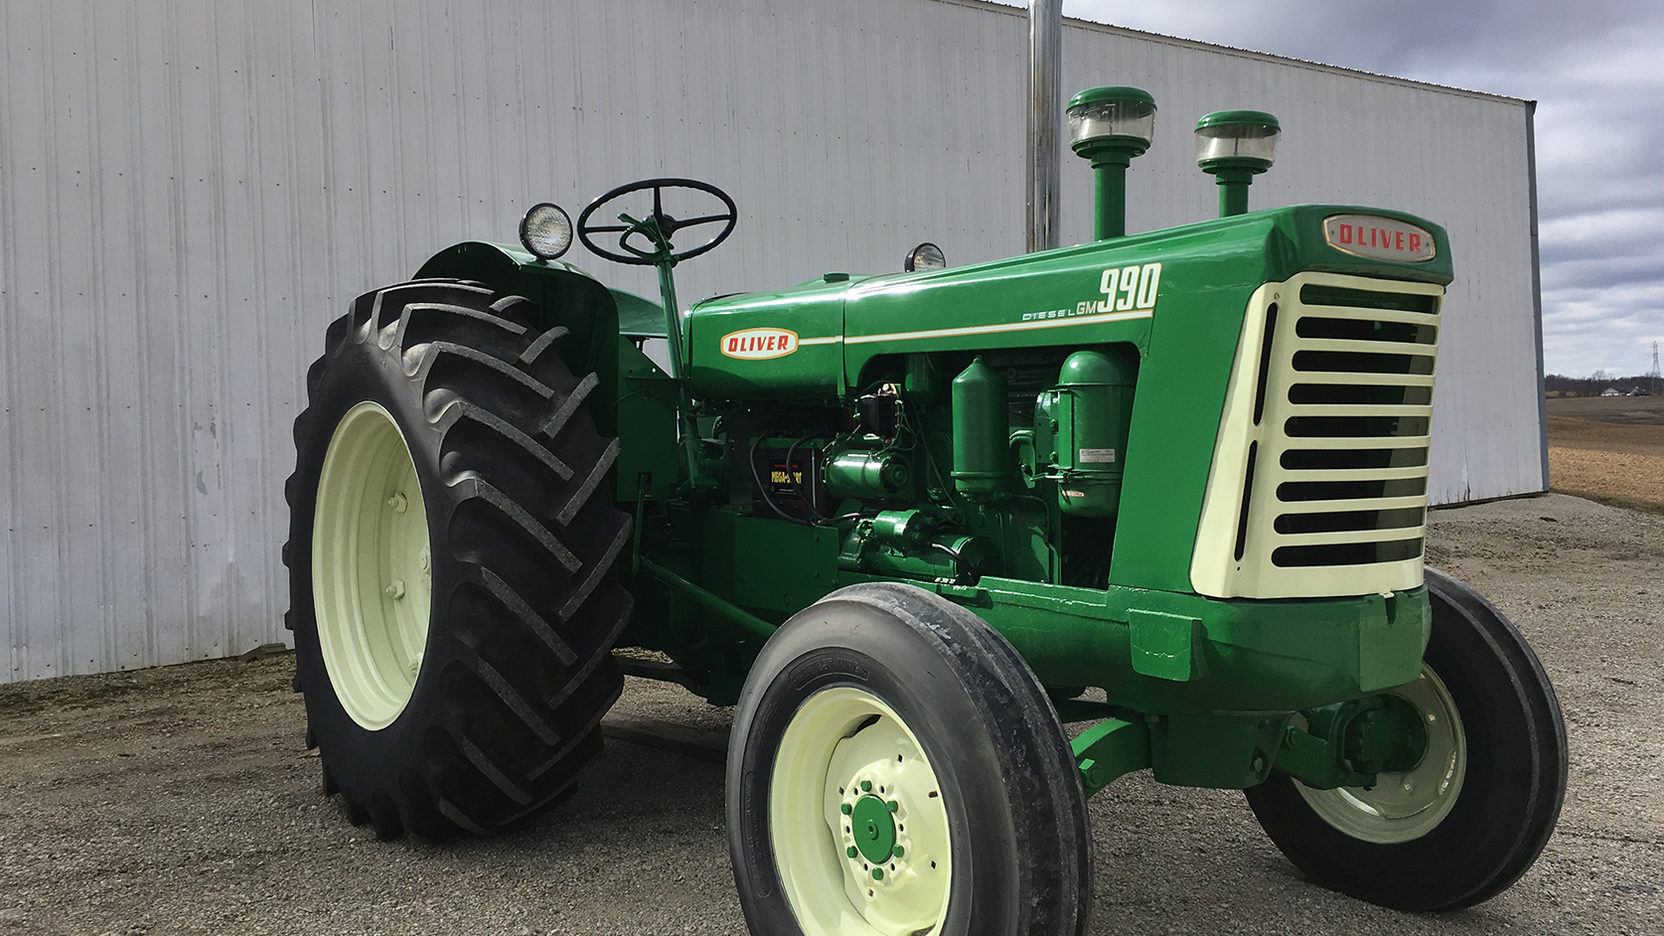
(896, 768)
(1503, 768)
(451, 552)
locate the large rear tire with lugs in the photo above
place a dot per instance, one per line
(451, 550)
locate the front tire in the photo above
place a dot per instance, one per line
(896, 768)
(451, 558)
(1474, 814)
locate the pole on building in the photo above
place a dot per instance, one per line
(1045, 87)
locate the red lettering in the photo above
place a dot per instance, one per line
(1398, 241)
(1415, 243)
(733, 343)
(1346, 233)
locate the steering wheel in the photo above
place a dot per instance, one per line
(657, 227)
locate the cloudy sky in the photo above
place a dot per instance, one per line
(1596, 69)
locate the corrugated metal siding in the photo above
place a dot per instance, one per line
(190, 190)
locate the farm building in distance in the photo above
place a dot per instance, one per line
(191, 191)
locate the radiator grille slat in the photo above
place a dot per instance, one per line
(1352, 537)
(1359, 395)
(1354, 459)
(1322, 294)
(1315, 361)
(1379, 474)
(1336, 521)
(1366, 330)
(1348, 554)
(1357, 426)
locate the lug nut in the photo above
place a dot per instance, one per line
(395, 591)
(398, 502)
(851, 851)
(846, 809)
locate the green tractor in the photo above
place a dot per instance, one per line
(1168, 488)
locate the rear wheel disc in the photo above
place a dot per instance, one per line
(371, 566)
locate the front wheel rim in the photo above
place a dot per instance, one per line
(850, 780)
(371, 567)
(1405, 805)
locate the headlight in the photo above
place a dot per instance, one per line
(546, 231)
(926, 256)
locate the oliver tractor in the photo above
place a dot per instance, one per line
(1168, 488)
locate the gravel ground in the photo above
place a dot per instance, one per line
(180, 800)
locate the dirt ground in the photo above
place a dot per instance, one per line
(181, 800)
(1609, 448)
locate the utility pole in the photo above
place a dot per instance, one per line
(1654, 375)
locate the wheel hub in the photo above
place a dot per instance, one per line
(874, 830)
(873, 841)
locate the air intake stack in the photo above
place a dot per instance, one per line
(1109, 127)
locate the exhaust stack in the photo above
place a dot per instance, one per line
(1045, 86)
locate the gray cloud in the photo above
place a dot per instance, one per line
(1597, 72)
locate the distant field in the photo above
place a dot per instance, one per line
(1610, 448)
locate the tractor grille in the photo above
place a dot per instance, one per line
(1322, 456)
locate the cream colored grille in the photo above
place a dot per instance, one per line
(1319, 479)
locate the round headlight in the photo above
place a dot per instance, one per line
(546, 231)
(926, 256)
(1237, 139)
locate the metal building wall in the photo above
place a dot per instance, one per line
(191, 189)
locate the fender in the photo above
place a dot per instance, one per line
(567, 296)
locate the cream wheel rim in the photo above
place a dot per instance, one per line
(1406, 805)
(371, 567)
(850, 780)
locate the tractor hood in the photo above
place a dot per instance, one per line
(817, 339)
